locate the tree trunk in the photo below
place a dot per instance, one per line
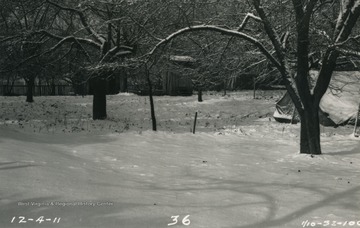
(8, 87)
(310, 132)
(224, 94)
(53, 87)
(200, 95)
(99, 99)
(123, 83)
(30, 87)
(40, 92)
(254, 87)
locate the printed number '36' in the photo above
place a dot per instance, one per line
(185, 221)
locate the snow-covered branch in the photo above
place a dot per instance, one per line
(347, 20)
(324, 34)
(284, 39)
(348, 52)
(355, 38)
(343, 14)
(59, 38)
(116, 51)
(224, 31)
(246, 19)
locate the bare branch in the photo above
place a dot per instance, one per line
(145, 29)
(223, 52)
(64, 55)
(9, 38)
(309, 8)
(323, 3)
(82, 19)
(299, 9)
(270, 31)
(53, 49)
(254, 64)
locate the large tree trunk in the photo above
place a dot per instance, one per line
(30, 89)
(99, 100)
(310, 132)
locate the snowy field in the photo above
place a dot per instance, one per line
(59, 168)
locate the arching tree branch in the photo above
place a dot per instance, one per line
(224, 31)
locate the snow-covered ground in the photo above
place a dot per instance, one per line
(240, 169)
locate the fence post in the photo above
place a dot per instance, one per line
(356, 121)
(195, 123)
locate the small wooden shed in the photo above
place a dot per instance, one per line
(175, 83)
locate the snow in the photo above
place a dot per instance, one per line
(341, 100)
(240, 169)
